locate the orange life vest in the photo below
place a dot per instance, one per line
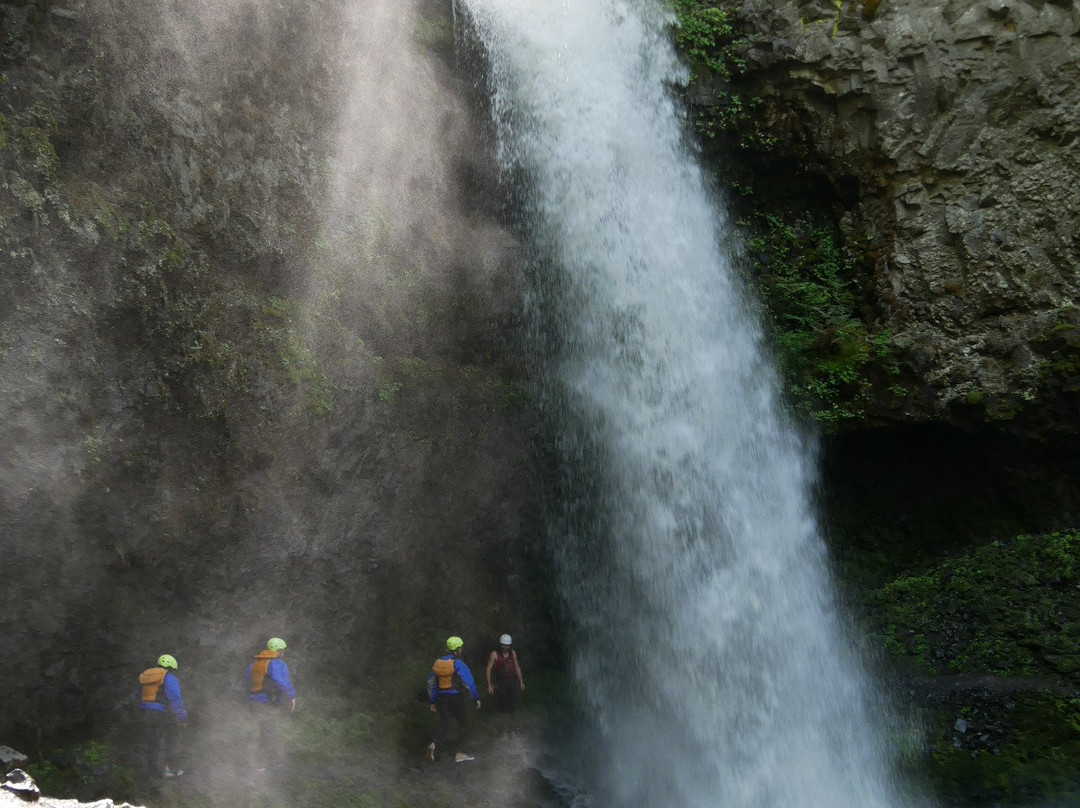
(151, 680)
(258, 670)
(444, 674)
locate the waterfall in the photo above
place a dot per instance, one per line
(708, 653)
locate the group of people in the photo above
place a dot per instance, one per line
(451, 679)
(161, 708)
(270, 694)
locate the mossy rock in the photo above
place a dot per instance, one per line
(1026, 754)
(1007, 608)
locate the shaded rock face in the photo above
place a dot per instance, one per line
(945, 136)
(254, 370)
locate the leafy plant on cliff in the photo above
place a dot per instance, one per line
(713, 47)
(826, 352)
(706, 37)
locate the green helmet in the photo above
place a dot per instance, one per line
(275, 644)
(454, 643)
(167, 661)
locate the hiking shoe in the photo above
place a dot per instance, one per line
(461, 757)
(171, 773)
(431, 752)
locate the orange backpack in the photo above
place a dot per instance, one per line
(258, 670)
(444, 674)
(151, 680)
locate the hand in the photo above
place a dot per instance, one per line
(522, 684)
(433, 708)
(491, 690)
(478, 704)
(292, 705)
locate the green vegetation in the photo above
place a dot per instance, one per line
(216, 336)
(713, 47)
(1028, 758)
(94, 768)
(1062, 347)
(827, 354)
(1008, 608)
(706, 37)
(26, 138)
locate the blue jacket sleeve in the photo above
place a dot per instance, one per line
(278, 672)
(462, 670)
(431, 688)
(172, 696)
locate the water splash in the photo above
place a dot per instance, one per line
(711, 660)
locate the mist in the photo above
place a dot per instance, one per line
(254, 369)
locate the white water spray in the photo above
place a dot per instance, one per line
(713, 667)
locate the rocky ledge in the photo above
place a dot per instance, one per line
(19, 788)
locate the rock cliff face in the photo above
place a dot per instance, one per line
(946, 137)
(254, 365)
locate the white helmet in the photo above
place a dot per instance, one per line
(504, 639)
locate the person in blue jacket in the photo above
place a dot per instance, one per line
(449, 677)
(269, 690)
(161, 713)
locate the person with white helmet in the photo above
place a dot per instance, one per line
(161, 712)
(270, 692)
(503, 662)
(449, 677)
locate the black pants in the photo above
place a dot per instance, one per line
(450, 706)
(270, 750)
(158, 736)
(506, 691)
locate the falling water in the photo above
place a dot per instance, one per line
(709, 656)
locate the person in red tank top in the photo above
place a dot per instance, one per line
(508, 680)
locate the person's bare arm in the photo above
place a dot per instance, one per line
(517, 667)
(487, 672)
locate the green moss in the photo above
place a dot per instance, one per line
(90, 203)
(93, 768)
(1029, 757)
(438, 32)
(1007, 608)
(328, 730)
(1060, 369)
(216, 337)
(94, 445)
